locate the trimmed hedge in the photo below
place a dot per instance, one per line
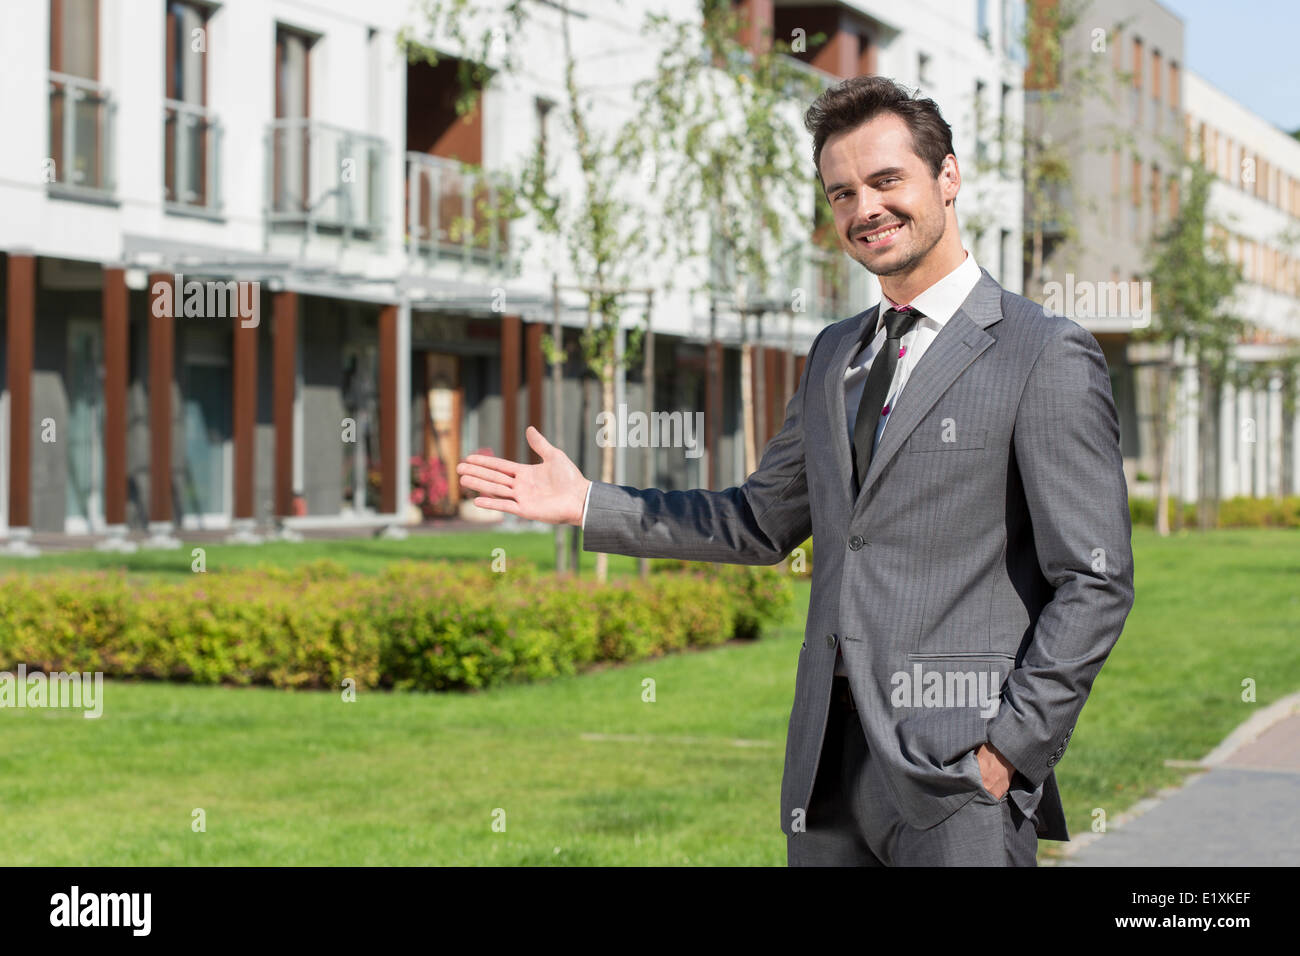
(428, 626)
(1238, 512)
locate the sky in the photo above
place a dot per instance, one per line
(1247, 49)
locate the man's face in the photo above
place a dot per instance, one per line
(889, 209)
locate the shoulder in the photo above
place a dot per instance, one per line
(1037, 328)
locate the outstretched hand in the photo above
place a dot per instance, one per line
(553, 491)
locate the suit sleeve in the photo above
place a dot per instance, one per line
(759, 522)
(1067, 449)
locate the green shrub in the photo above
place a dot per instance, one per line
(1238, 512)
(431, 626)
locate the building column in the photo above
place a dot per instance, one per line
(713, 392)
(403, 453)
(20, 307)
(284, 361)
(1275, 426)
(1260, 484)
(510, 358)
(161, 353)
(535, 375)
(114, 307)
(388, 402)
(1227, 441)
(243, 388)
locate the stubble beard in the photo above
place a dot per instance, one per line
(909, 261)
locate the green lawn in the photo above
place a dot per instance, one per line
(366, 555)
(586, 772)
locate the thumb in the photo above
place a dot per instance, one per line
(537, 442)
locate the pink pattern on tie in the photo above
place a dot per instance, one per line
(885, 410)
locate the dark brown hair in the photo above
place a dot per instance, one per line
(852, 102)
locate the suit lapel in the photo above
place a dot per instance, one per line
(834, 384)
(961, 340)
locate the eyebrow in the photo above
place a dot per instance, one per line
(887, 171)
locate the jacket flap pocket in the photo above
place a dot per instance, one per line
(936, 438)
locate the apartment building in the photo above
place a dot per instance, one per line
(1255, 199)
(1127, 148)
(1122, 137)
(233, 290)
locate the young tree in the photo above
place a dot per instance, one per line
(720, 130)
(602, 231)
(1193, 284)
(1059, 83)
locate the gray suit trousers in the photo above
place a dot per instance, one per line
(852, 819)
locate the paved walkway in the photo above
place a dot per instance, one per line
(1243, 811)
(51, 542)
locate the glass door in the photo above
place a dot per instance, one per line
(84, 503)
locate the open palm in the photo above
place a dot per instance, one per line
(552, 491)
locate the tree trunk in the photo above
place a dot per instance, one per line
(557, 418)
(1162, 443)
(648, 380)
(607, 453)
(747, 400)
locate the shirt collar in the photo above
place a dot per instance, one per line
(945, 297)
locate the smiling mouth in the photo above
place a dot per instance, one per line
(876, 238)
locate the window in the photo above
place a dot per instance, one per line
(982, 29)
(1136, 198)
(981, 149)
(1135, 96)
(923, 68)
(189, 133)
(291, 133)
(80, 108)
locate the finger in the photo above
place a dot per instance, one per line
(500, 464)
(485, 487)
(537, 441)
(498, 504)
(487, 474)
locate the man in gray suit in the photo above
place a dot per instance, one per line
(954, 452)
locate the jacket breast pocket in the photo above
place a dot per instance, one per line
(934, 438)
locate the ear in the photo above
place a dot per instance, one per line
(949, 179)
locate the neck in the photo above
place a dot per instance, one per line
(904, 287)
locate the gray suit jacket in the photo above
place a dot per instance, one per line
(991, 536)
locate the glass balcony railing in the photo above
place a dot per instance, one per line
(838, 285)
(81, 137)
(453, 211)
(324, 179)
(191, 147)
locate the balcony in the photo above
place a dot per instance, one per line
(324, 180)
(839, 285)
(81, 138)
(191, 147)
(453, 211)
(815, 80)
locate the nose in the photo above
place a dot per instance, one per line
(868, 212)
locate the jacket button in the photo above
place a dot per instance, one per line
(856, 542)
(1051, 761)
(830, 640)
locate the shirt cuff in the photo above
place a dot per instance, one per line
(584, 505)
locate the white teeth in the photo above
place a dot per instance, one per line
(883, 235)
